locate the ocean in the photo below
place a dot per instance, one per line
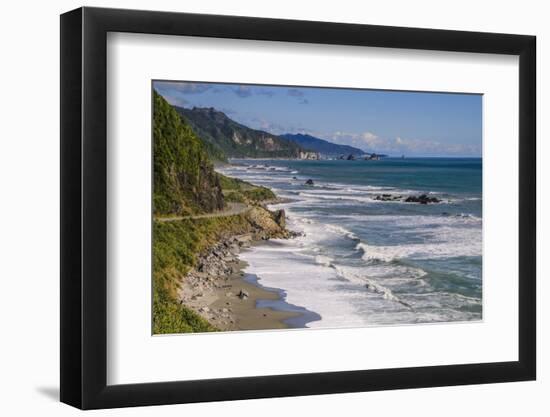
(360, 261)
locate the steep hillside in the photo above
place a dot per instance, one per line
(322, 146)
(235, 140)
(184, 178)
(185, 183)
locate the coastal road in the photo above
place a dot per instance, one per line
(232, 209)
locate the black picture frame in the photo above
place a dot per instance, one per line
(84, 207)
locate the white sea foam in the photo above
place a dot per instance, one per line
(324, 260)
(361, 287)
(342, 230)
(340, 197)
(404, 221)
(300, 279)
(420, 250)
(369, 283)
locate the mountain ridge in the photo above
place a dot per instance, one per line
(224, 137)
(322, 146)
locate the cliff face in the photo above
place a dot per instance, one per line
(225, 136)
(184, 178)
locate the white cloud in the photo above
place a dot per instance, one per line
(242, 91)
(371, 142)
(182, 87)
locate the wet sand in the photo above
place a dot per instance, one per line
(222, 306)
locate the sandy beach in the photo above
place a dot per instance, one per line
(219, 291)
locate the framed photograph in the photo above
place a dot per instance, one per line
(256, 208)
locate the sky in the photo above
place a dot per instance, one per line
(390, 122)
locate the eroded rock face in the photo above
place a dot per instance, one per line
(265, 222)
(280, 218)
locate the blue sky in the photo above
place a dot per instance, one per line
(390, 122)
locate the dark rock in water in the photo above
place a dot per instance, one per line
(351, 157)
(388, 197)
(279, 217)
(294, 178)
(422, 199)
(310, 182)
(292, 234)
(243, 294)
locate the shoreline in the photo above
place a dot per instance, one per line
(265, 307)
(220, 291)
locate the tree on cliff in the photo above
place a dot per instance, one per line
(184, 178)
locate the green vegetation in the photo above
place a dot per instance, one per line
(184, 178)
(240, 191)
(214, 152)
(176, 246)
(185, 183)
(231, 139)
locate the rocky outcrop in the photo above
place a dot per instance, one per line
(268, 224)
(219, 260)
(309, 155)
(388, 197)
(222, 259)
(280, 218)
(421, 199)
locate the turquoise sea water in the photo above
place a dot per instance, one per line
(361, 261)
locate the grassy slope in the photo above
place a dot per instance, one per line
(176, 246)
(175, 251)
(178, 156)
(240, 191)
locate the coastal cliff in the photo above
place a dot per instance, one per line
(184, 178)
(199, 214)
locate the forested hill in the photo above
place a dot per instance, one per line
(226, 137)
(184, 177)
(322, 146)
